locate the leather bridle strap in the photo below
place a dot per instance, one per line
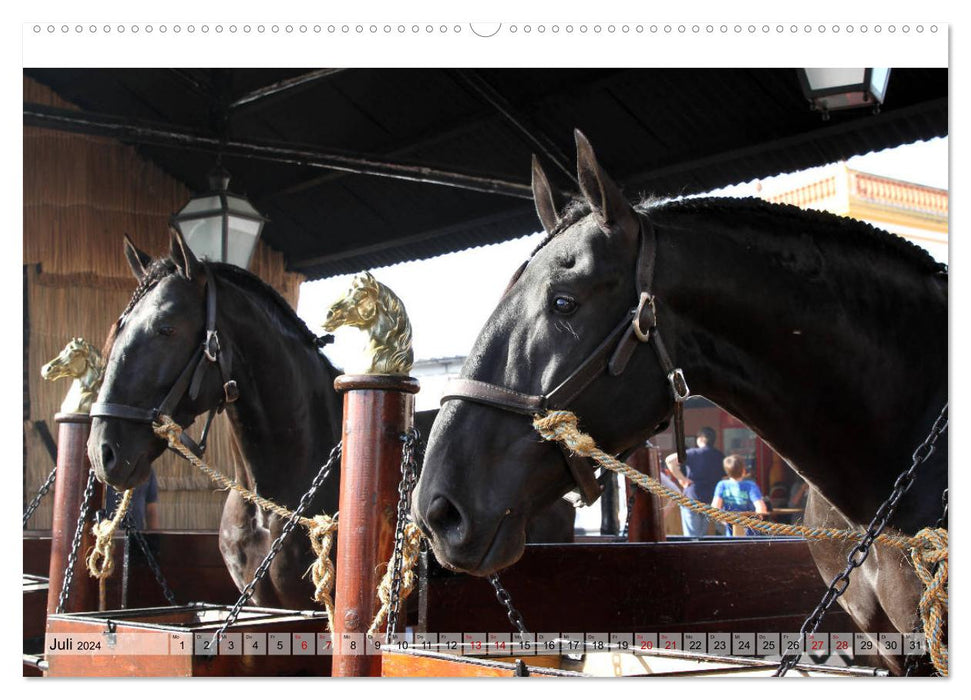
(189, 381)
(639, 326)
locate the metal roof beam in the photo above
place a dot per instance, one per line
(281, 87)
(143, 133)
(481, 87)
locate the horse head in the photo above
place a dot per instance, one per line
(149, 350)
(358, 308)
(373, 307)
(486, 471)
(74, 361)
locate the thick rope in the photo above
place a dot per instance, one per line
(322, 570)
(409, 557)
(931, 567)
(101, 561)
(320, 529)
(927, 548)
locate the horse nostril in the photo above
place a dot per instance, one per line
(107, 457)
(444, 519)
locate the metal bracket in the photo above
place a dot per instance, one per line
(647, 301)
(211, 346)
(679, 386)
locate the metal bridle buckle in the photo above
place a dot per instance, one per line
(678, 385)
(231, 391)
(211, 346)
(645, 300)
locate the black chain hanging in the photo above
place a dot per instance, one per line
(32, 506)
(264, 567)
(860, 553)
(410, 456)
(75, 544)
(139, 538)
(514, 616)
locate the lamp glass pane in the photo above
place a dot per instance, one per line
(204, 237)
(878, 82)
(825, 78)
(199, 204)
(241, 206)
(243, 234)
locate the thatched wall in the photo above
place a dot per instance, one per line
(81, 194)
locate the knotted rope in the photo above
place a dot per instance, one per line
(322, 570)
(930, 563)
(927, 548)
(409, 557)
(320, 529)
(101, 561)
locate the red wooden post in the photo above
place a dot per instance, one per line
(377, 410)
(72, 476)
(647, 515)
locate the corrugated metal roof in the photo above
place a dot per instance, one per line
(658, 131)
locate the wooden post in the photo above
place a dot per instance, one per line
(377, 410)
(647, 515)
(72, 477)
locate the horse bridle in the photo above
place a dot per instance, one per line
(210, 353)
(638, 326)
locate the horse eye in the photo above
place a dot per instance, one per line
(564, 304)
(166, 330)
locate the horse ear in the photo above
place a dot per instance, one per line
(137, 260)
(543, 198)
(606, 200)
(184, 259)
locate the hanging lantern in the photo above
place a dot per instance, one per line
(829, 89)
(218, 225)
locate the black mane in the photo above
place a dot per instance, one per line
(836, 225)
(160, 268)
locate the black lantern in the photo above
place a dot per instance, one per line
(218, 225)
(830, 89)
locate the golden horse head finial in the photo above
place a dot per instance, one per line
(80, 361)
(372, 307)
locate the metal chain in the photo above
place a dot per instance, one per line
(410, 449)
(32, 506)
(631, 489)
(515, 617)
(860, 553)
(150, 559)
(264, 567)
(75, 545)
(942, 521)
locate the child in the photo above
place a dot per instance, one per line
(735, 494)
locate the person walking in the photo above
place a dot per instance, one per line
(702, 471)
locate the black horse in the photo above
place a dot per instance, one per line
(825, 335)
(284, 423)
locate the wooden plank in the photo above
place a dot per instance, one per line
(749, 584)
(420, 664)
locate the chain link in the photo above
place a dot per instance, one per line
(861, 551)
(631, 494)
(264, 567)
(32, 506)
(75, 544)
(514, 616)
(410, 457)
(132, 532)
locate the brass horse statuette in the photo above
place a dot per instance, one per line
(82, 363)
(371, 306)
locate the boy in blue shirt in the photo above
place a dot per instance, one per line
(737, 494)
